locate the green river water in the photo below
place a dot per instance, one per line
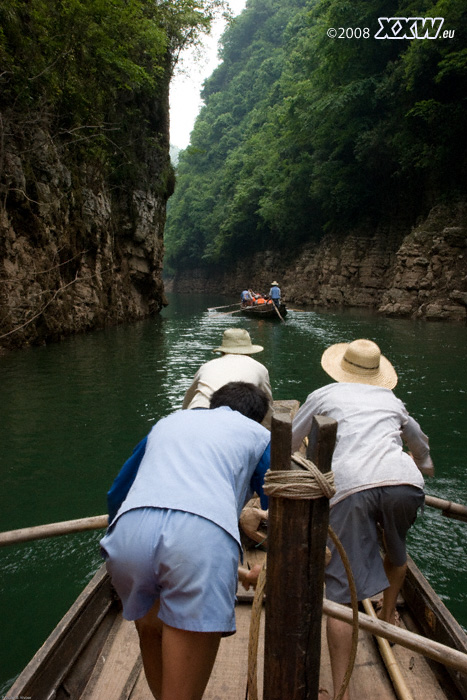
(70, 414)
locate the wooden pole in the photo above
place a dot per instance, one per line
(65, 527)
(297, 533)
(227, 313)
(397, 679)
(214, 308)
(427, 647)
(449, 508)
(278, 313)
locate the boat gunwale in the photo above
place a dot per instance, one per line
(264, 310)
(47, 669)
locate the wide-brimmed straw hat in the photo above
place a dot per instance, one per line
(274, 283)
(237, 341)
(361, 362)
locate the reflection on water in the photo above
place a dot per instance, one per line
(70, 414)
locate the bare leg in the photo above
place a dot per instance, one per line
(339, 636)
(177, 663)
(150, 641)
(396, 576)
(188, 658)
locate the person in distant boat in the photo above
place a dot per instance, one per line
(275, 294)
(235, 364)
(172, 550)
(377, 483)
(246, 297)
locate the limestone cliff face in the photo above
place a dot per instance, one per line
(416, 274)
(75, 254)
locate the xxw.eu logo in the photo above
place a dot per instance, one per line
(409, 27)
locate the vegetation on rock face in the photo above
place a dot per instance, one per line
(95, 72)
(84, 159)
(303, 133)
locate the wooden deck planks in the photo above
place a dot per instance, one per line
(118, 666)
(119, 675)
(229, 677)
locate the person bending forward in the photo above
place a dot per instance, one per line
(172, 550)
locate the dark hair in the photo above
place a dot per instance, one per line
(243, 397)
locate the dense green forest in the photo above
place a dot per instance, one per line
(303, 133)
(94, 74)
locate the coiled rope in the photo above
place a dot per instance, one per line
(304, 484)
(307, 484)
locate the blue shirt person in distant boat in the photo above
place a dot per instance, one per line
(275, 293)
(172, 549)
(377, 482)
(246, 297)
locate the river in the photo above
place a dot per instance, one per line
(70, 414)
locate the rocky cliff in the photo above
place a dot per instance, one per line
(417, 274)
(76, 253)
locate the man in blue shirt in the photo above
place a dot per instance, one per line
(246, 297)
(172, 549)
(275, 293)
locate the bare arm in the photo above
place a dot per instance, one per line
(418, 444)
(249, 577)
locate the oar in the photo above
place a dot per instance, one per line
(228, 313)
(278, 312)
(389, 659)
(449, 509)
(65, 527)
(214, 308)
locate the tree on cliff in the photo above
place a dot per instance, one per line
(96, 72)
(304, 132)
(84, 108)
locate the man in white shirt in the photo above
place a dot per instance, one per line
(377, 483)
(234, 365)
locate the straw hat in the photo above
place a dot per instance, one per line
(274, 284)
(237, 341)
(360, 361)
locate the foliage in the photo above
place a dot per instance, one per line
(96, 72)
(301, 132)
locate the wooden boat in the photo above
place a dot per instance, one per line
(93, 654)
(266, 310)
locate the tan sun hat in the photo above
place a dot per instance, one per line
(274, 283)
(361, 362)
(237, 341)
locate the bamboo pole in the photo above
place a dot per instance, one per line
(278, 312)
(65, 527)
(449, 508)
(214, 308)
(227, 313)
(426, 647)
(400, 687)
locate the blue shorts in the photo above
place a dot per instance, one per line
(355, 521)
(186, 561)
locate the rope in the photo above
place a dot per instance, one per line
(307, 484)
(354, 603)
(253, 638)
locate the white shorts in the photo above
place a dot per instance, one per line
(186, 561)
